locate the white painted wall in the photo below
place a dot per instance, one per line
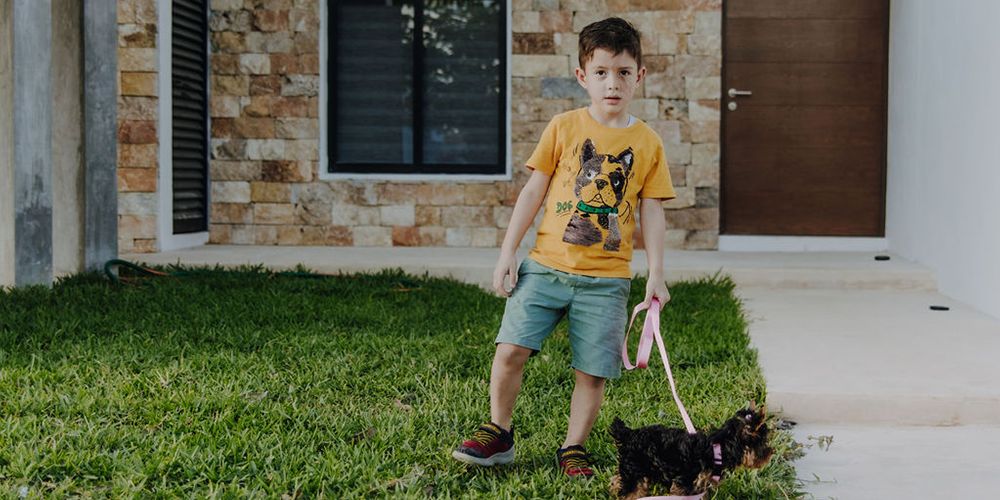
(943, 199)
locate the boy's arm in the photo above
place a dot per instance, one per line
(528, 203)
(653, 225)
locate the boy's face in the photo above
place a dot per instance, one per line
(611, 80)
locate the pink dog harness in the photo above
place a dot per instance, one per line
(650, 332)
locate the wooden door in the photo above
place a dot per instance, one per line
(804, 153)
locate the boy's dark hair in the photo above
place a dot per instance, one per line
(613, 34)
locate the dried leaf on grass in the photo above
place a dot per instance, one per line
(257, 396)
(361, 436)
(415, 474)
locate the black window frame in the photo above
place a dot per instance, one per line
(418, 167)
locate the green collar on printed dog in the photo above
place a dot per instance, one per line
(583, 207)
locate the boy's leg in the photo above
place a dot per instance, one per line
(493, 443)
(597, 321)
(505, 381)
(530, 315)
(596, 328)
(532, 311)
(588, 394)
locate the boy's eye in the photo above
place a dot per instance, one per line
(600, 73)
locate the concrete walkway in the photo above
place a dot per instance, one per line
(849, 345)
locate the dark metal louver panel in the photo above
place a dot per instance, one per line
(189, 88)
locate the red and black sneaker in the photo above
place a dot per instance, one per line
(490, 445)
(574, 462)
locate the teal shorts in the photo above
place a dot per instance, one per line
(596, 308)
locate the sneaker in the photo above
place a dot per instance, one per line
(490, 445)
(574, 462)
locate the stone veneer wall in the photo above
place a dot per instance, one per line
(265, 127)
(137, 125)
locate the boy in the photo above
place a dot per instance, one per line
(596, 164)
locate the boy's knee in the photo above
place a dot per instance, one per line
(511, 354)
(589, 380)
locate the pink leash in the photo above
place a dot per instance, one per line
(650, 332)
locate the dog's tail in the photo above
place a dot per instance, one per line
(619, 431)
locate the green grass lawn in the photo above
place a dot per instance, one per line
(258, 386)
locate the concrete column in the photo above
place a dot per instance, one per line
(100, 42)
(6, 144)
(32, 68)
(67, 137)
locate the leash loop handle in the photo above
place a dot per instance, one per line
(651, 332)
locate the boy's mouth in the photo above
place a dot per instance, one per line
(612, 99)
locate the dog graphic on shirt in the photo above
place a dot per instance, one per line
(599, 189)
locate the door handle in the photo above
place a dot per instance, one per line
(733, 92)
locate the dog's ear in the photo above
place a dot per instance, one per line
(753, 421)
(589, 152)
(619, 431)
(625, 158)
(763, 417)
(757, 415)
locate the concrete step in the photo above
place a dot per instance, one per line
(826, 270)
(864, 357)
(805, 270)
(886, 463)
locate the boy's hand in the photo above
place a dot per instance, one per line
(505, 271)
(656, 288)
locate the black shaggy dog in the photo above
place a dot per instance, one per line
(683, 462)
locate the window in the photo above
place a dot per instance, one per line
(429, 103)
(189, 92)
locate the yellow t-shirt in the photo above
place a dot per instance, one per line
(598, 175)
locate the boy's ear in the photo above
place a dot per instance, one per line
(641, 75)
(580, 75)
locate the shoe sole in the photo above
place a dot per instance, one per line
(581, 476)
(496, 459)
(578, 476)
